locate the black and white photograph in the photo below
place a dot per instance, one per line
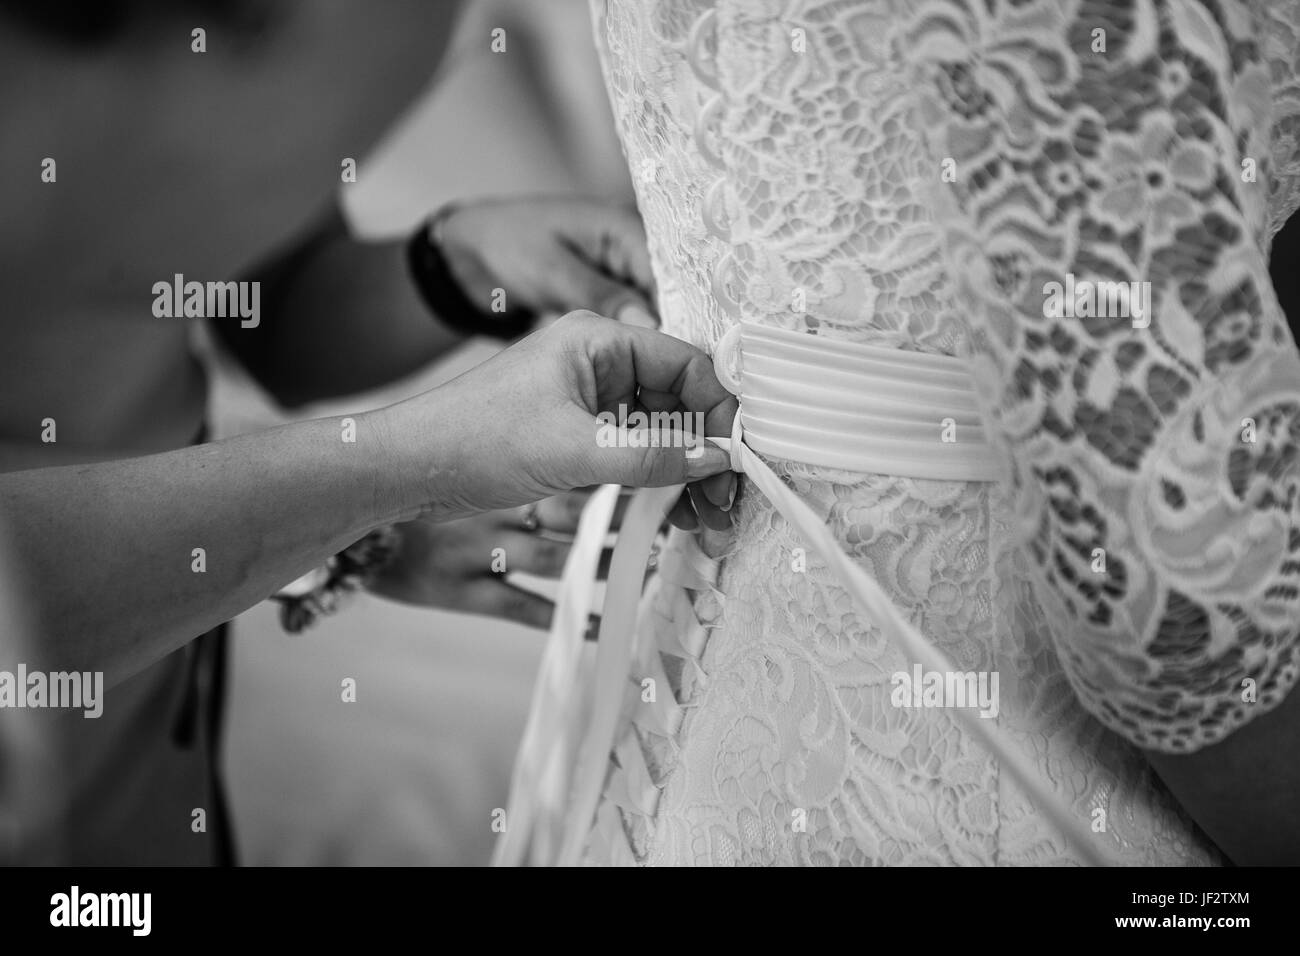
(593, 433)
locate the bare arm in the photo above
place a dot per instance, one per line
(339, 316)
(109, 551)
(19, 456)
(342, 316)
(112, 579)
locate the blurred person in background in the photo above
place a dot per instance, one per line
(139, 152)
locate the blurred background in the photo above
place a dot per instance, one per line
(410, 773)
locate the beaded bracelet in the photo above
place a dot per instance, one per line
(321, 592)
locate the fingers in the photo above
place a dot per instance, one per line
(577, 282)
(638, 315)
(682, 514)
(612, 238)
(629, 251)
(626, 358)
(608, 369)
(712, 516)
(686, 514)
(560, 514)
(648, 400)
(493, 597)
(604, 265)
(535, 554)
(720, 490)
(630, 462)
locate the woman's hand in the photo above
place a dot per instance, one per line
(461, 565)
(522, 426)
(551, 254)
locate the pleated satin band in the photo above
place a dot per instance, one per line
(854, 407)
(803, 398)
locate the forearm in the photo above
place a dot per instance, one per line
(20, 456)
(339, 316)
(113, 574)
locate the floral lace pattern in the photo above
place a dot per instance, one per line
(786, 156)
(1125, 144)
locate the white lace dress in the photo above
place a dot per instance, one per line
(911, 174)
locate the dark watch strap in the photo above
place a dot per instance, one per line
(443, 295)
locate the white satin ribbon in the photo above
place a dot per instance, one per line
(540, 781)
(797, 381)
(641, 523)
(882, 612)
(853, 407)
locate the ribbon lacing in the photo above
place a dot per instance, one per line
(582, 766)
(620, 710)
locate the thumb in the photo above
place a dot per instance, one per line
(631, 457)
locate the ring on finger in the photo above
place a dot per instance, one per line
(530, 521)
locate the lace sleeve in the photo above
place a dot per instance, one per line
(1105, 174)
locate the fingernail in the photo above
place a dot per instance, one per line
(731, 492)
(636, 314)
(711, 461)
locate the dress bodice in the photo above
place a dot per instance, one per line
(822, 165)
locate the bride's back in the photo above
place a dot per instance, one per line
(787, 177)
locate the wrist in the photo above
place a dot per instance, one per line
(401, 465)
(446, 273)
(423, 470)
